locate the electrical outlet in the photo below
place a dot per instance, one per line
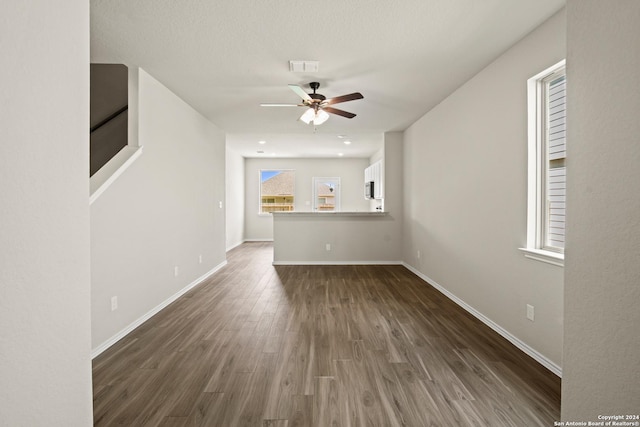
(175, 271)
(530, 312)
(418, 254)
(220, 205)
(328, 246)
(114, 303)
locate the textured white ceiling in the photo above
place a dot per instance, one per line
(225, 57)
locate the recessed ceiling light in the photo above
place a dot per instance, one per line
(262, 142)
(347, 142)
(342, 136)
(273, 154)
(340, 154)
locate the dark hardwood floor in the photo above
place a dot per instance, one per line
(257, 345)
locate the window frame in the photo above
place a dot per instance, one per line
(314, 191)
(538, 167)
(260, 171)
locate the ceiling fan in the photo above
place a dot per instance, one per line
(318, 105)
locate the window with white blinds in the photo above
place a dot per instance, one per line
(546, 211)
(556, 171)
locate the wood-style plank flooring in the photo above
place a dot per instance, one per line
(258, 345)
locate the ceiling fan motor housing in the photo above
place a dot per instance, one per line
(314, 95)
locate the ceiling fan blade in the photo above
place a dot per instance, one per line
(282, 105)
(344, 98)
(342, 113)
(300, 92)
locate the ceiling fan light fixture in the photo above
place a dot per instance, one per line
(321, 117)
(308, 115)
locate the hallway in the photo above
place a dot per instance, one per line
(257, 345)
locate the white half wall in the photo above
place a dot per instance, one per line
(602, 289)
(45, 342)
(334, 238)
(465, 180)
(350, 171)
(165, 212)
(234, 182)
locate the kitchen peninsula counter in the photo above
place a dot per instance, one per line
(335, 238)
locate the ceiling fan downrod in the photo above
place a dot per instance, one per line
(314, 86)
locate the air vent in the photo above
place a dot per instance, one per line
(304, 66)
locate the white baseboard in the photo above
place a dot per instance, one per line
(337, 263)
(539, 357)
(235, 245)
(117, 337)
(247, 241)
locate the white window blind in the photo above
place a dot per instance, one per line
(555, 194)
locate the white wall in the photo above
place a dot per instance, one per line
(162, 212)
(465, 196)
(351, 172)
(378, 156)
(234, 181)
(45, 366)
(602, 289)
(394, 189)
